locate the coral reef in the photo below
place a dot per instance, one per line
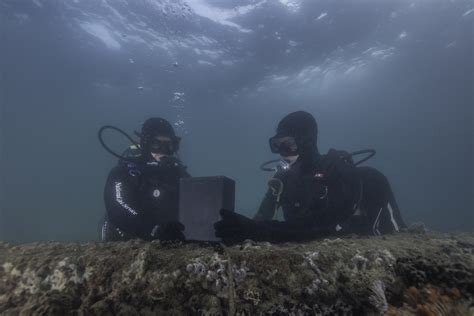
(414, 273)
(378, 298)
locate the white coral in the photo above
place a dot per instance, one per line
(309, 260)
(29, 282)
(387, 257)
(313, 287)
(136, 269)
(328, 241)
(10, 269)
(249, 244)
(239, 273)
(197, 267)
(378, 298)
(359, 261)
(65, 273)
(214, 272)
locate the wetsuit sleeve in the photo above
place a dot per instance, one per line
(235, 227)
(267, 208)
(123, 206)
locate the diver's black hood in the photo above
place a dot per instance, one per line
(298, 124)
(303, 127)
(151, 128)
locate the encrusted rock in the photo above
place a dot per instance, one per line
(401, 274)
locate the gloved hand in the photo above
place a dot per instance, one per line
(233, 227)
(170, 162)
(170, 231)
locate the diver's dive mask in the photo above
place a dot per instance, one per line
(164, 145)
(285, 146)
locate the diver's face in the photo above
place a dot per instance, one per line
(157, 157)
(161, 146)
(285, 146)
(290, 159)
(163, 138)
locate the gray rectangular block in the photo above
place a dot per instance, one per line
(200, 200)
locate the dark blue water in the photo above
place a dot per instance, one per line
(395, 76)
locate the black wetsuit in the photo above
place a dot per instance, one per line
(331, 196)
(141, 197)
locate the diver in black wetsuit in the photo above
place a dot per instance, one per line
(141, 193)
(320, 195)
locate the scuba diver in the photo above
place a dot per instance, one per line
(141, 193)
(320, 195)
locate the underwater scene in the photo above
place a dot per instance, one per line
(236, 157)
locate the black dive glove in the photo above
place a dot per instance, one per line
(171, 231)
(234, 228)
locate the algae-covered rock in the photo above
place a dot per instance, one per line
(407, 274)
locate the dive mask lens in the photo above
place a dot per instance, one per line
(283, 145)
(164, 147)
